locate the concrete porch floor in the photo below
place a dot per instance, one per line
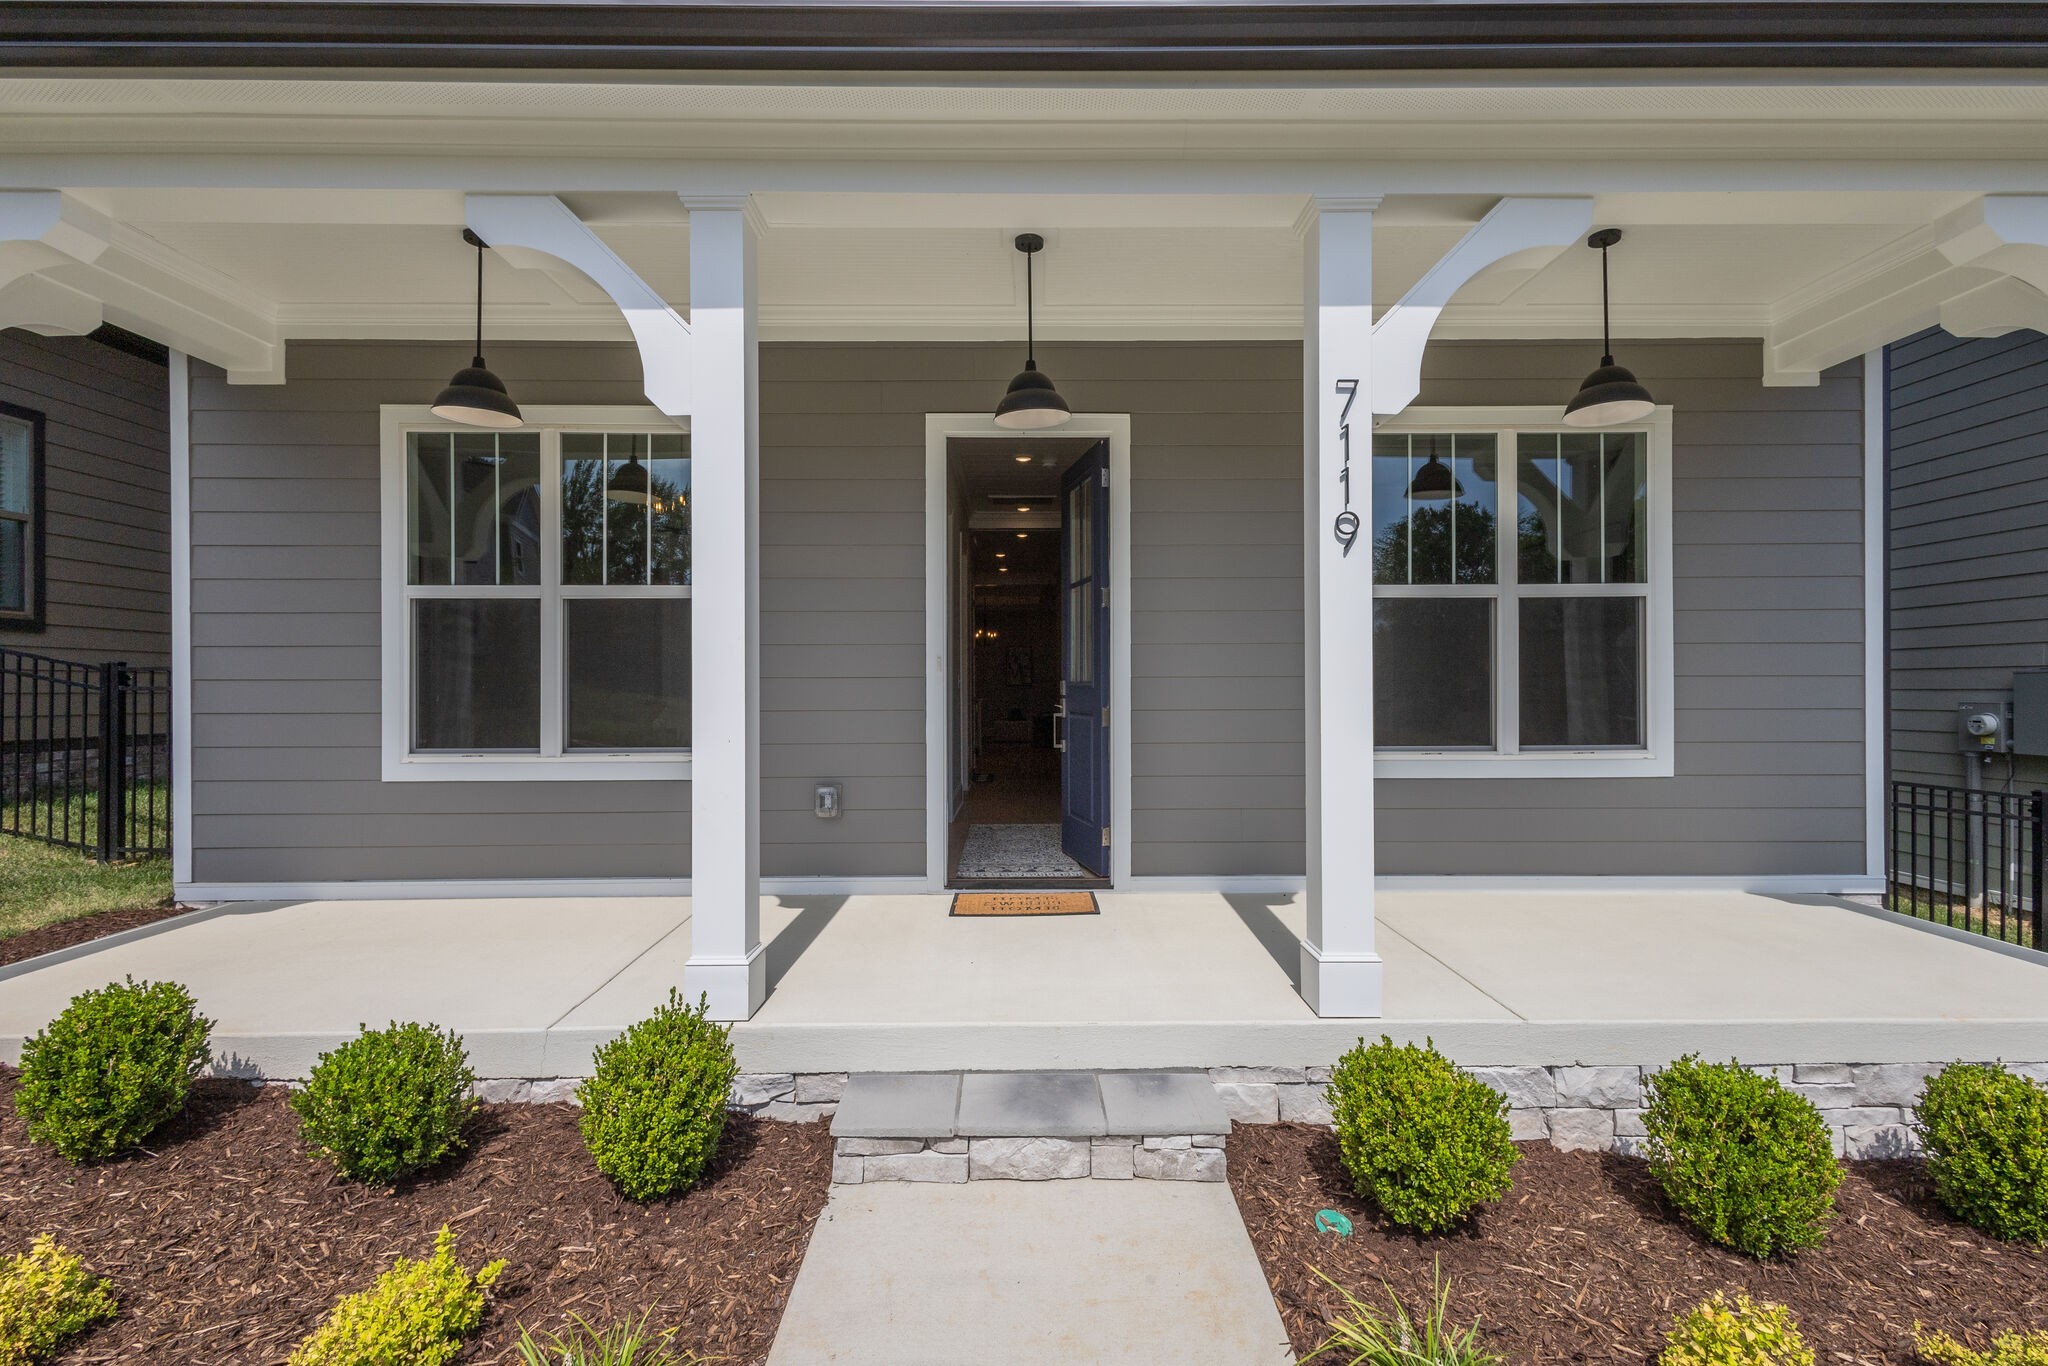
(891, 983)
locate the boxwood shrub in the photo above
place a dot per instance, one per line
(417, 1314)
(47, 1297)
(1986, 1134)
(112, 1068)
(389, 1102)
(1424, 1141)
(2007, 1349)
(654, 1106)
(1747, 1162)
(1738, 1332)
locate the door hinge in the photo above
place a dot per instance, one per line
(1105, 478)
(1105, 716)
(1105, 597)
(1105, 837)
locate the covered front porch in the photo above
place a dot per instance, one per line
(1170, 980)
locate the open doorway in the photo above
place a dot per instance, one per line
(1029, 687)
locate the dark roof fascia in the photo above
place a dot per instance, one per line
(997, 36)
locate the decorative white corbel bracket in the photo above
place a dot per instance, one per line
(1519, 234)
(2007, 233)
(40, 229)
(2005, 305)
(531, 232)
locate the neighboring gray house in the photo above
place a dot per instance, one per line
(85, 497)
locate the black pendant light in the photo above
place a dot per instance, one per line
(1031, 402)
(1435, 481)
(628, 483)
(476, 397)
(1611, 393)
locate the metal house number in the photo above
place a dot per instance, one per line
(1347, 523)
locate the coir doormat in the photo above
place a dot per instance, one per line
(1025, 903)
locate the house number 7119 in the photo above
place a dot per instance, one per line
(1347, 521)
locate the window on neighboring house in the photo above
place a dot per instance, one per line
(1542, 647)
(543, 601)
(21, 518)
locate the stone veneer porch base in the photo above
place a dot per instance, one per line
(1867, 1106)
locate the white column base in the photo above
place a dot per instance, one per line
(1341, 988)
(734, 988)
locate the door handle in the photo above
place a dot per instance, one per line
(1059, 741)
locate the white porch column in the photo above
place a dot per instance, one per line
(726, 961)
(1340, 966)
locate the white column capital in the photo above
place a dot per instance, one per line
(1321, 205)
(744, 205)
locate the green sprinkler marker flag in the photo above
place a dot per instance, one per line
(1330, 1221)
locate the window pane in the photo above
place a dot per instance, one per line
(497, 481)
(1432, 672)
(1581, 671)
(17, 466)
(668, 468)
(427, 529)
(14, 538)
(629, 673)
(627, 508)
(1433, 507)
(1583, 507)
(1080, 634)
(582, 507)
(476, 674)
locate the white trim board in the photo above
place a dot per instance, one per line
(1876, 713)
(179, 376)
(939, 429)
(429, 889)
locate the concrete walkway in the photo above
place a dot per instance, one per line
(1157, 981)
(1132, 1273)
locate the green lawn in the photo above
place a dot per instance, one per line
(41, 884)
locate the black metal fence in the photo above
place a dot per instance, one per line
(1969, 859)
(85, 755)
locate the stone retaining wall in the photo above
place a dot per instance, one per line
(1868, 1106)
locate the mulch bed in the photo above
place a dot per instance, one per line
(65, 933)
(227, 1243)
(1583, 1262)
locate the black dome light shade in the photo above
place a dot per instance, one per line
(628, 483)
(1031, 402)
(1611, 394)
(476, 397)
(1435, 481)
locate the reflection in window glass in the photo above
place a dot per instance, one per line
(473, 508)
(476, 674)
(1582, 507)
(1581, 672)
(629, 673)
(17, 509)
(1434, 506)
(625, 508)
(1433, 672)
(668, 469)
(1080, 634)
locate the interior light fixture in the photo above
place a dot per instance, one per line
(476, 397)
(1002, 554)
(1031, 402)
(1611, 393)
(1002, 569)
(1023, 535)
(1023, 459)
(1435, 481)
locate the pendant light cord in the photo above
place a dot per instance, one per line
(1030, 319)
(480, 306)
(1606, 331)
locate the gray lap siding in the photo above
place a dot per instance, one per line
(285, 597)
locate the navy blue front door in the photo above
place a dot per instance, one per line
(1084, 661)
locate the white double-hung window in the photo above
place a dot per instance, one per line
(536, 597)
(1521, 596)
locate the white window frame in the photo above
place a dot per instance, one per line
(552, 764)
(1656, 758)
